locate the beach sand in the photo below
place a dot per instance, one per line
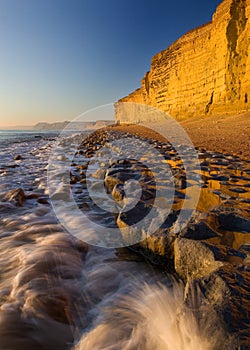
(224, 134)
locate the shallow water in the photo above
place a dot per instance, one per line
(58, 293)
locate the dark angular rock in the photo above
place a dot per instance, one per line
(18, 157)
(233, 222)
(16, 196)
(198, 231)
(42, 201)
(226, 291)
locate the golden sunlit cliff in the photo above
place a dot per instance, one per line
(205, 72)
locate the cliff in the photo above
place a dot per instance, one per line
(205, 72)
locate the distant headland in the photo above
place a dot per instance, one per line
(72, 125)
(43, 126)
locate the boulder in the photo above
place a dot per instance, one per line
(196, 259)
(223, 295)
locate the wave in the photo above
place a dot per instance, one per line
(156, 317)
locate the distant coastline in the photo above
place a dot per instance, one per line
(43, 126)
(16, 127)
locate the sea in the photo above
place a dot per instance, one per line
(58, 292)
(16, 136)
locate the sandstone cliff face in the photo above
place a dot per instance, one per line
(205, 72)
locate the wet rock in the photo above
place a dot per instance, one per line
(33, 196)
(42, 201)
(118, 192)
(18, 157)
(83, 181)
(11, 166)
(147, 229)
(84, 206)
(196, 259)
(82, 166)
(132, 222)
(157, 247)
(193, 259)
(204, 168)
(233, 222)
(131, 217)
(112, 171)
(16, 196)
(247, 200)
(220, 178)
(180, 181)
(226, 291)
(238, 190)
(198, 231)
(99, 174)
(110, 182)
(82, 247)
(73, 180)
(204, 163)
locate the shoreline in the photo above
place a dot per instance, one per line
(229, 135)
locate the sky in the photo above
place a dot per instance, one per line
(60, 58)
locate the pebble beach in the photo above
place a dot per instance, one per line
(53, 280)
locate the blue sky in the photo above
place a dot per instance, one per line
(61, 57)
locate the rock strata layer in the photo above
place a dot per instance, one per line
(205, 72)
